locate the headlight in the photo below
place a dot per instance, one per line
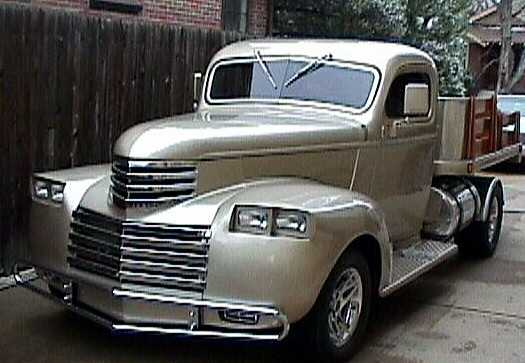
(48, 190)
(291, 223)
(41, 189)
(57, 193)
(252, 220)
(270, 221)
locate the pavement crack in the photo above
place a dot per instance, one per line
(514, 211)
(473, 310)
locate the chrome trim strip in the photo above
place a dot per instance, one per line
(144, 188)
(356, 163)
(163, 164)
(141, 276)
(156, 175)
(155, 253)
(162, 265)
(196, 333)
(180, 198)
(167, 239)
(168, 227)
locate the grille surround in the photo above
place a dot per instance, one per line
(149, 183)
(145, 254)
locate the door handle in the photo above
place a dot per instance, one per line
(397, 125)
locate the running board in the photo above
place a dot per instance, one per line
(410, 263)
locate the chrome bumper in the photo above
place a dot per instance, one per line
(196, 309)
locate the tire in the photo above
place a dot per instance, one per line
(334, 342)
(480, 239)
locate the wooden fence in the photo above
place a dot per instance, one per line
(71, 83)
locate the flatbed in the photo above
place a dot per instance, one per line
(475, 135)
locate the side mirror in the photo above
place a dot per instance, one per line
(197, 88)
(417, 99)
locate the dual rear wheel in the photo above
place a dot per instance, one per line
(481, 238)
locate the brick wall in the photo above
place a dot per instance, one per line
(258, 17)
(200, 13)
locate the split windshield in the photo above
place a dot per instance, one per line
(288, 79)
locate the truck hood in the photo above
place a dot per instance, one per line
(217, 134)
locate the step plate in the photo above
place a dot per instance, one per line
(412, 262)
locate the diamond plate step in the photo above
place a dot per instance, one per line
(412, 262)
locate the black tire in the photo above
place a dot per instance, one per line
(477, 239)
(324, 345)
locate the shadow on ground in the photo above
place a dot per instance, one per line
(61, 336)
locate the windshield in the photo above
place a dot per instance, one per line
(330, 83)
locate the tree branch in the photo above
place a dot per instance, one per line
(518, 74)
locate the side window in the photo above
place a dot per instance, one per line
(394, 106)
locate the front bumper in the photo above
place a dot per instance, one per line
(191, 317)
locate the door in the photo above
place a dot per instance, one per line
(404, 174)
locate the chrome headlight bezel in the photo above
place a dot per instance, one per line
(48, 190)
(275, 222)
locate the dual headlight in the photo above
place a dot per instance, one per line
(44, 189)
(270, 221)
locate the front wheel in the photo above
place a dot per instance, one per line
(342, 311)
(481, 238)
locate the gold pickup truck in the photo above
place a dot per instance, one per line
(313, 177)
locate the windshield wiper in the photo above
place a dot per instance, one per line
(309, 68)
(265, 68)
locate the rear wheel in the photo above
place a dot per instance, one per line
(481, 238)
(342, 311)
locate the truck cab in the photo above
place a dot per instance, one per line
(303, 186)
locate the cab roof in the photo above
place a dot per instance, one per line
(374, 53)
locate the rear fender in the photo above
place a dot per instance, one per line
(485, 185)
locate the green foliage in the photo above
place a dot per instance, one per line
(435, 26)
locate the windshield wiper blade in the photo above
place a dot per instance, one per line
(309, 68)
(265, 68)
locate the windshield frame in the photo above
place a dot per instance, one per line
(287, 101)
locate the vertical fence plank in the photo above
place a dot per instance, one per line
(3, 144)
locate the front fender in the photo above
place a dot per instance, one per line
(49, 222)
(283, 271)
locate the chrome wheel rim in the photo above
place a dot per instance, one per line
(345, 306)
(493, 219)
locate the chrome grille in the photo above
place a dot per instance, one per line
(154, 255)
(143, 183)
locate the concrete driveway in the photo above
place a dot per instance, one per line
(465, 311)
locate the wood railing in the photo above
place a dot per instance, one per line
(487, 129)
